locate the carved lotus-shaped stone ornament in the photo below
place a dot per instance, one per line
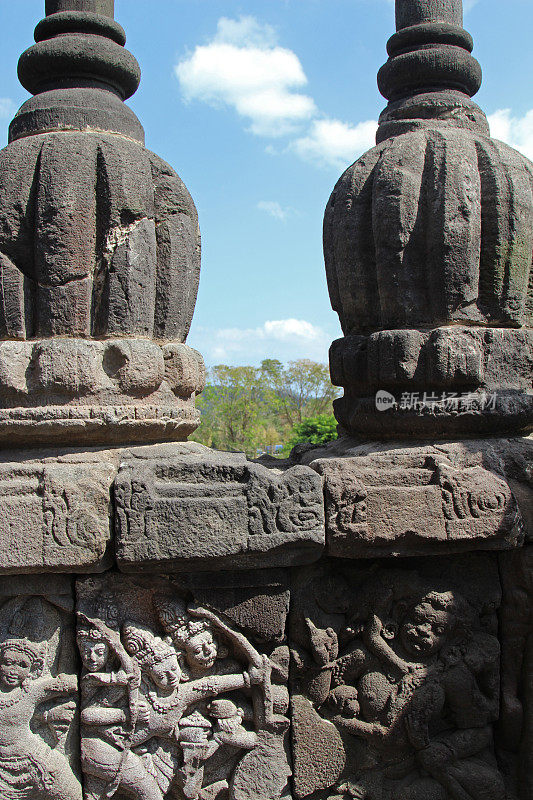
(428, 242)
(99, 249)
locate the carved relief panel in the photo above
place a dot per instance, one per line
(396, 680)
(39, 741)
(183, 698)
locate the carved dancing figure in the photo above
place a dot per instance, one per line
(442, 670)
(147, 767)
(29, 768)
(110, 707)
(197, 632)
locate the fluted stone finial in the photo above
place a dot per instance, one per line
(429, 51)
(99, 249)
(431, 72)
(428, 242)
(79, 71)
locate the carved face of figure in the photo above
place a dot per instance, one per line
(15, 667)
(165, 672)
(425, 628)
(201, 650)
(94, 654)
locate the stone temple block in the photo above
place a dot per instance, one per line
(176, 623)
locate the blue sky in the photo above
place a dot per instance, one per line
(260, 105)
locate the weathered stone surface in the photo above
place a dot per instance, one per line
(455, 274)
(318, 749)
(39, 744)
(430, 230)
(395, 679)
(400, 499)
(80, 73)
(516, 626)
(99, 245)
(189, 507)
(55, 512)
(111, 248)
(401, 680)
(479, 378)
(97, 392)
(198, 707)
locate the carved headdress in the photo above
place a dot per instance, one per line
(176, 620)
(106, 612)
(35, 652)
(26, 626)
(146, 647)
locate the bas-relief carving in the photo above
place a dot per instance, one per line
(396, 681)
(38, 691)
(176, 702)
(229, 512)
(54, 512)
(411, 502)
(515, 727)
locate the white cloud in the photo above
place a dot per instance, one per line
(284, 339)
(7, 107)
(469, 5)
(515, 131)
(275, 209)
(242, 67)
(287, 328)
(245, 68)
(331, 142)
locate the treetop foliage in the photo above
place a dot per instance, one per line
(256, 408)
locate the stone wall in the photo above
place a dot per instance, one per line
(176, 623)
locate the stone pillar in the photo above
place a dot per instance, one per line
(170, 680)
(411, 639)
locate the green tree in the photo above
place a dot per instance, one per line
(248, 408)
(236, 410)
(313, 430)
(301, 389)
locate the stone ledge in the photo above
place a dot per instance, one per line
(405, 499)
(55, 512)
(194, 508)
(488, 370)
(178, 506)
(91, 392)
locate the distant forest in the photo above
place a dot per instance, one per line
(267, 409)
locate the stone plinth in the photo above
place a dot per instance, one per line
(98, 392)
(472, 380)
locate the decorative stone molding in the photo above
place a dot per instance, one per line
(193, 508)
(478, 378)
(106, 391)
